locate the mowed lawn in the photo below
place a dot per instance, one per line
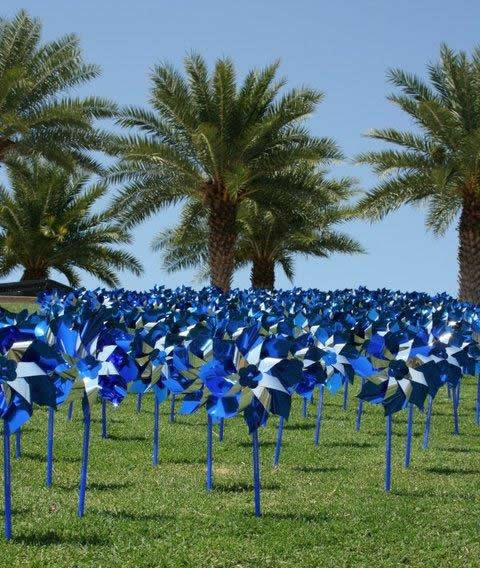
(323, 506)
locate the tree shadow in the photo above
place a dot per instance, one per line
(241, 487)
(52, 538)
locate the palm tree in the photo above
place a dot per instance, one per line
(47, 223)
(267, 237)
(440, 163)
(208, 139)
(36, 118)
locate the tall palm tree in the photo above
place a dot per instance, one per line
(36, 118)
(47, 223)
(267, 237)
(439, 164)
(210, 140)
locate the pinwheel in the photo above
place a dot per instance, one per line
(15, 410)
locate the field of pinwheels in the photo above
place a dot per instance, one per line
(132, 422)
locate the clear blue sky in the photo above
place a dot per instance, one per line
(342, 48)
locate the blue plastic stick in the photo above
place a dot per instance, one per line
(70, 412)
(51, 424)
(172, 407)
(428, 423)
(388, 454)
(358, 420)
(478, 401)
(85, 454)
(104, 419)
(455, 399)
(139, 401)
(221, 429)
(209, 477)
(156, 419)
(318, 422)
(278, 443)
(304, 407)
(408, 445)
(256, 473)
(18, 443)
(7, 484)
(449, 391)
(345, 394)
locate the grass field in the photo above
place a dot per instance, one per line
(324, 506)
(19, 306)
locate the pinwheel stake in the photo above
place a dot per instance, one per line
(156, 419)
(70, 412)
(104, 419)
(139, 401)
(345, 394)
(428, 423)
(51, 423)
(358, 420)
(18, 443)
(318, 422)
(304, 407)
(256, 473)
(172, 407)
(278, 443)
(7, 486)
(388, 454)
(85, 455)
(449, 391)
(478, 401)
(408, 445)
(221, 429)
(209, 477)
(455, 404)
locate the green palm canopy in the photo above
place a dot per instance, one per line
(47, 223)
(268, 236)
(36, 117)
(438, 164)
(213, 141)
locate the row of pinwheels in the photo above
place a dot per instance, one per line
(245, 352)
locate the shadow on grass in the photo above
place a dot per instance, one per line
(297, 517)
(268, 444)
(241, 487)
(300, 426)
(460, 450)
(53, 538)
(313, 469)
(184, 461)
(111, 486)
(452, 471)
(349, 444)
(41, 458)
(128, 516)
(117, 438)
(109, 421)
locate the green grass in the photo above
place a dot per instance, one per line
(16, 307)
(323, 507)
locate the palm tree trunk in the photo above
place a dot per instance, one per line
(34, 274)
(469, 251)
(263, 274)
(221, 242)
